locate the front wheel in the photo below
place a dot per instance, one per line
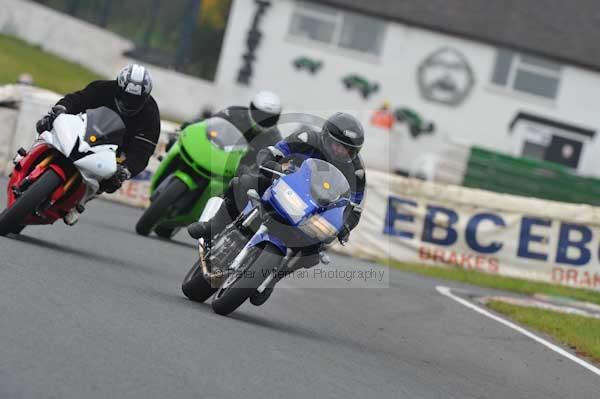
(12, 220)
(160, 206)
(165, 232)
(195, 286)
(241, 285)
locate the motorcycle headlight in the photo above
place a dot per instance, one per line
(290, 201)
(319, 227)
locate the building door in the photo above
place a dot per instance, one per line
(564, 151)
(548, 140)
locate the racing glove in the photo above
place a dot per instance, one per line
(115, 182)
(46, 122)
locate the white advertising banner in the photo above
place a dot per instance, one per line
(427, 223)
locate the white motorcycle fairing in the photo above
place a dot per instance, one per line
(68, 136)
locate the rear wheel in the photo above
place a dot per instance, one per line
(160, 206)
(241, 285)
(13, 218)
(195, 286)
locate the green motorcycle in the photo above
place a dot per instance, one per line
(198, 166)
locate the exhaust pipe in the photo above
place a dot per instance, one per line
(211, 277)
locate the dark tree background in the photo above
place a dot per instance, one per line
(186, 35)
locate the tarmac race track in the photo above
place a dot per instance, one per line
(96, 311)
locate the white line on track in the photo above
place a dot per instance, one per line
(447, 292)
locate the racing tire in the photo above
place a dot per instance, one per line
(195, 287)
(165, 232)
(159, 207)
(11, 219)
(240, 286)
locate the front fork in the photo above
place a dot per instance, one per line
(239, 259)
(38, 170)
(34, 175)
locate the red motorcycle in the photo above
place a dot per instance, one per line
(63, 169)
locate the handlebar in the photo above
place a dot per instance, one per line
(272, 171)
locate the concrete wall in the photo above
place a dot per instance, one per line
(17, 125)
(8, 119)
(483, 119)
(98, 50)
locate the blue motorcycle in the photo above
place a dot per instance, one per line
(303, 208)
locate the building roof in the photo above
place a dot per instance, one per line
(563, 30)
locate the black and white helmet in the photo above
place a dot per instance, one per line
(265, 109)
(134, 85)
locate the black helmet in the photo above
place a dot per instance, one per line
(342, 138)
(265, 109)
(134, 85)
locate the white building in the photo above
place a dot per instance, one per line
(468, 70)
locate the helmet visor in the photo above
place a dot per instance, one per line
(130, 104)
(338, 151)
(263, 118)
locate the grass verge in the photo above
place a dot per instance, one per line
(510, 284)
(582, 334)
(48, 71)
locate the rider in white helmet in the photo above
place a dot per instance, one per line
(258, 123)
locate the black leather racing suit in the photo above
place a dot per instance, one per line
(143, 129)
(307, 143)
(256, 137)
(296, 147)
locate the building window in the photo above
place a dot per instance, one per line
(314, 22)
(527, 74)
(346, 30)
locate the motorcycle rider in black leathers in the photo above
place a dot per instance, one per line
(338, 143)
(258, 124)
(129, 96)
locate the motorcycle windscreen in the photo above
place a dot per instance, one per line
(104, 126)
(328, 186)
(224, 135)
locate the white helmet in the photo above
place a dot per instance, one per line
(265, 109)
(134, 85)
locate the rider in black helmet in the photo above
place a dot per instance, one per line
(338, 142)
(342, 138)
(129, 96)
